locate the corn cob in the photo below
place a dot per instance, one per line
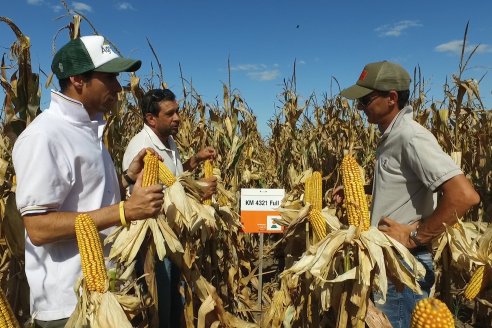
(307, 191)
(91, 254)
(318, 223)
(431, 312)
(209, 172)
(316, 193)
(355, 198)
(475, 284)
(151, 168)
(222, 200)
(165, 175)
(7, 318)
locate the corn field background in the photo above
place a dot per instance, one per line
(305, 135)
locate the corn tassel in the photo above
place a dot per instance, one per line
(431, 312)
(91, 253)
(475, 284)
(165, 175)
(355, 198)
(208, 173)
(151, 168)
(7, 318)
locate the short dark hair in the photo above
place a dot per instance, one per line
(65, 82)
(152, 97)
(403, 97)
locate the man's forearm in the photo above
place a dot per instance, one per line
(191, 164)
(458, 196)
(54, 226)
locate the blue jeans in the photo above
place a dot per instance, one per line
(399, 305)
(170, 301)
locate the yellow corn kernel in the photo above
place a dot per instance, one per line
(91, 253)
(431, 312)
(307, 191)
(151, 169)
(165, 175)
(318, 223)
(208, 173)
(222, 200)
(208, 169)
(475, 284)
(355, 198)
(7, 318)
(316, 191)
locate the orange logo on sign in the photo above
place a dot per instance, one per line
(257, 221)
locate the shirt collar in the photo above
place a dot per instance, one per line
(73, 111)
(407, 110)
(155, 139)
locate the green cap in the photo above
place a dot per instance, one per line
(381, 76)
(90, 53)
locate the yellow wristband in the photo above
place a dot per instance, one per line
(122, 214)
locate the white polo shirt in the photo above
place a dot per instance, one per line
(410, 166)
(147, 138)
(62, 165)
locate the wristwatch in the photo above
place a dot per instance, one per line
(127, 178)
(413, 237)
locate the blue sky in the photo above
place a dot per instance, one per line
(263, 39)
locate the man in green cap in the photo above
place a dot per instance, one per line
(63, 169)
(411, 171)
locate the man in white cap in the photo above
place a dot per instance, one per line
(63, 169)
(411, 169)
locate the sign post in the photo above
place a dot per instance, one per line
(258, 212)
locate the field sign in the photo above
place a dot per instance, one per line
(258, 209)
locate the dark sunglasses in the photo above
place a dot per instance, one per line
(368, 99)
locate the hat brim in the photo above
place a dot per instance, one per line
(119, 64)
(355, 92)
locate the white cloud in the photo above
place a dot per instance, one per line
(80, 6)
(302, 62)
(397, 28)
(56, 8)
(125, 6)
(267, 75)
(259, 72)
(249, 67)
(455, 47)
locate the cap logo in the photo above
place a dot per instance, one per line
(60, 67)
(363, 75)
(105, 48)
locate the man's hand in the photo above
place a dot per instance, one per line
(202, 155)
(137, 164)
(209, 189)
(205, 153)
(338, 195)
(398, 231)
(145, 202)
